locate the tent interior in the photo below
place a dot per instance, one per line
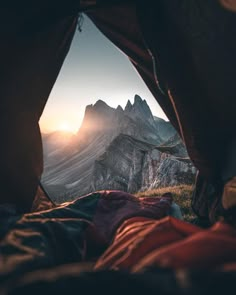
(184, 50)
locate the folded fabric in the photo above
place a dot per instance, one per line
(73, 232)
(139, 236)
(170, 243)
(114, 207)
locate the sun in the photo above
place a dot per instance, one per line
(67, 127)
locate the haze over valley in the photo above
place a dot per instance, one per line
(126, 149)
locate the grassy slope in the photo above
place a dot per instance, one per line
(182, 196)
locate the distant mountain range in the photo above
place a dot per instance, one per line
(127, 149)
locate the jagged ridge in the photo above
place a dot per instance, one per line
(87, 163)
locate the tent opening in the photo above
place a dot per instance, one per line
(103, 129)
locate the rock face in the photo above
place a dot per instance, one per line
(132, 165)
(126, 149)
(174, 146)
(164, 129)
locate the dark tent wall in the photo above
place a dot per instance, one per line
(35, 39)
(34, 44)
(123, 25)
(194, 54)
(193, 43)
(120, 23)
(193, 46)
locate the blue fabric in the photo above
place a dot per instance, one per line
(46, 238)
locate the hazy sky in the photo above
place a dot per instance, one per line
(94, 69)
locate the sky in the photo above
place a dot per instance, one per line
(93, 69)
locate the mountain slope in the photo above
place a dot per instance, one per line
(132, 165)
(107, 150)
(164, 129)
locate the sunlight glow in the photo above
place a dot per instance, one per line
(93, 69)
(67, 127)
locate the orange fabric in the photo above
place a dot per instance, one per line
(229, 267)
(205, 249)
(169, 243)
(138, 236)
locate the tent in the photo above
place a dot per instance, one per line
(180, 48)
(183, 49)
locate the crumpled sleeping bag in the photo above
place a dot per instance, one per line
(44, 252)
(142, 243)
(73, 232)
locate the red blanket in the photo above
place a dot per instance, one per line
(141, 243)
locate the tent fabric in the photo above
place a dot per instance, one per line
(206, 201)
(188, 44)
(192, 100)
(120, 23)
(33, 48)
(192, 77)
(73, 232)
(191, 74)
(192, 69)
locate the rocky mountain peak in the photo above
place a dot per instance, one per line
(119, 108)
(141, 108)
(101, 105)
(97, 117)
(98, 111)
(88, 108)
(136, 119)
(137, 99)
(115, 149)
(128, 106)
(138, 103)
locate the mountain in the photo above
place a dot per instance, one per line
(53, 144)
(135, 120)
(174, 146)
(164, 129)
(132, 165)
(113, 150)
(103, 123)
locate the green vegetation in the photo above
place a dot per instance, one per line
(182, 197)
